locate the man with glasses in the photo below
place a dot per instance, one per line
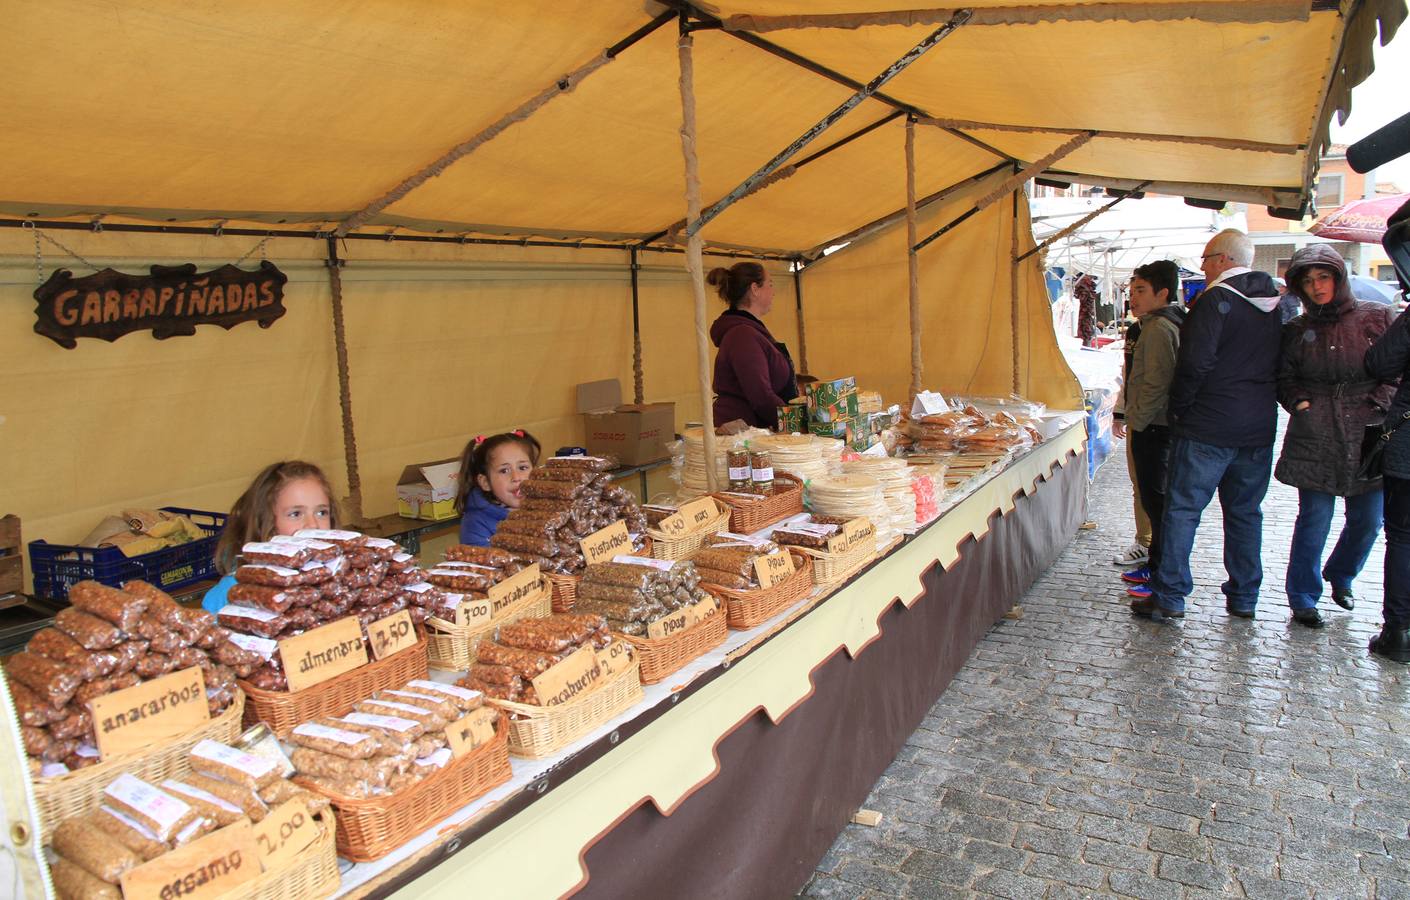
(1223, 416)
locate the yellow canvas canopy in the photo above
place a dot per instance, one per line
(560, 122)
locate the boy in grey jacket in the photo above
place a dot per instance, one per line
(1153, 287)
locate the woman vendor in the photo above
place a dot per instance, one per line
(753, 372)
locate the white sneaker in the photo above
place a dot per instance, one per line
(1135, 555)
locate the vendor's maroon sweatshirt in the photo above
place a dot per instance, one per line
(753, 372)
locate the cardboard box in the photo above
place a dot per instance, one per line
(635, 434)
(832, 400)
(428, 490)
(793, 417)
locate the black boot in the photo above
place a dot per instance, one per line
(1343, 597)
(1393, 642)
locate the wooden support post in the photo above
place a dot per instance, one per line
(353, 504)
(912, 260)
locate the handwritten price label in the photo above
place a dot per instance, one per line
(470, 731)
(389, 635)
(682, 619)
(284, 833)
(474, 611)
(774, 568)
(691, 518)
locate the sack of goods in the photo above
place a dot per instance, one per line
(565, 500)
(109, 640)
(291, 584)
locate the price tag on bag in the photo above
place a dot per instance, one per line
(212, 866)
(682, 619)
(318, 655)
(284, 833)
(135, 718)
(774, 568)
(601, 546)
(392, 634)
(471, 730)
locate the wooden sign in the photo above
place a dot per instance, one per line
(858, 530)
(171, 301)
(573, 677)
(207, 867)
(601, 546)
(470, 731)
(476, 611)
(521, 585)
(152, 712)
(690, 519)
(284, 834)
(773, 568)
(682, 619)
(318, 655)
(392, 634)
(613, 658)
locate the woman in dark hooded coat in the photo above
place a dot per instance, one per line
(1324, 386)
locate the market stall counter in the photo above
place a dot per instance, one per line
(723, 760)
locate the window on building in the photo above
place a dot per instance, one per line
(1283, 264)
(1386, 272)
(1330, 189)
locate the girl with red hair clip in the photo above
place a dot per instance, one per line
(492, 469)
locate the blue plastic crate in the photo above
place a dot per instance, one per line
(57, 567)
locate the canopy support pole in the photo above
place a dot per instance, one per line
(560, 86)
(694, 256)
(638, 381)
(912, 260)
(871, 87)
(1013, 291)
(1015, 180)
(1221, 143)
(797, 266)
(1218, 11)
(353, 502)
(1075, 226)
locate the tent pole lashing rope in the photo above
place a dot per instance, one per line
(340, 346)
(1052, 239)
(1014, 180)
(694, 260)
(871, 87)
(912, 260)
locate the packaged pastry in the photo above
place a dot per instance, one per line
(397, 709)
(107, 603)
(73, 882)
(91, 632)
(347, 541)
(282, 791)
(727, 559)
(154, 665)
(350, 788)
(62, 649)
(551, 634)
(271, 576)
(234, 794)
(484, 555)
(241, 658)
(37, 741)
(274, 599)
(525, 663)
(131, 834)
(52, 682)
(401, 729)
(199, 828)
(276, 553)
(381, 548)
(465, 700)
(161, 813)
(375, 772)
(433, 762)
(594, 463)
(86, 755)
(222, 812)
(317, 551)
(216, 759)
(93, 850)
(438, 704)
(77, 724)
(249, 620)
(336, 741)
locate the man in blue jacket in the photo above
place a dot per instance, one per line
(1223, 415)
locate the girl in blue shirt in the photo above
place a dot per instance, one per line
(492, 469)
(284, 498)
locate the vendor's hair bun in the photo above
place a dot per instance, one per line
(733, 283)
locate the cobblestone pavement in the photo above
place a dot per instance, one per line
(1082, 752)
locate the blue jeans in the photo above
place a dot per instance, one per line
(1314, 521)
(1197, 470)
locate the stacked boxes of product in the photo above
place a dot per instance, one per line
(833, 411)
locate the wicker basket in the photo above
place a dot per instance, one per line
(830, 568)
(662, 657)
(748, 516)
(746, 609)
(312, 875)
(282, 711)
(664, 547)
(452, 647)
(539, 731)
(80, 791)
(371, 828)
